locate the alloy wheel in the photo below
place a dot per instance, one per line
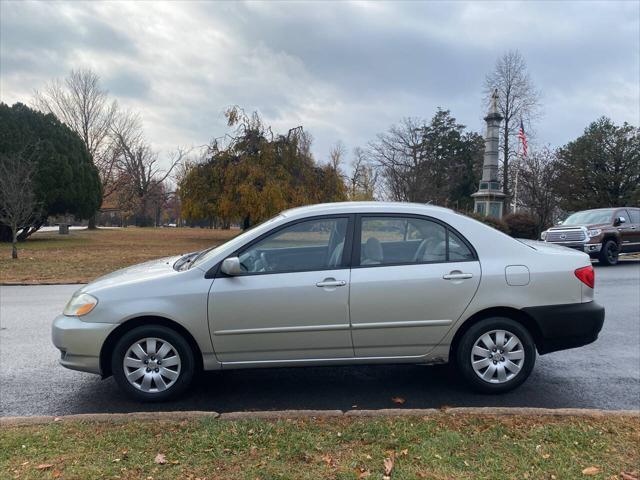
(497, 356)
(152, 365)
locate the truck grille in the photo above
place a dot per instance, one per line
(565, 236)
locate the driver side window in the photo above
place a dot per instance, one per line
(304, 246)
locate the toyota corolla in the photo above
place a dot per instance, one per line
(343, 283)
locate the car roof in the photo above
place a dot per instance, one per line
(364, 207)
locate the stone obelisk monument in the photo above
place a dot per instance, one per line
(489, 199)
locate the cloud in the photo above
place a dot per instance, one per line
(344, 70)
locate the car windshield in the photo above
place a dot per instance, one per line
(208, 253)
(589, 217)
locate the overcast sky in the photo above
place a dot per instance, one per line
(345, 71)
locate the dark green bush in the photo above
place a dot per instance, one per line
(522, 225)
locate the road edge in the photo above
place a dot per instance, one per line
(292, 414)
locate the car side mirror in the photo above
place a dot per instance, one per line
(231, 266)
(619, 221)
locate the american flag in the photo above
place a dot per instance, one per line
(523, 138)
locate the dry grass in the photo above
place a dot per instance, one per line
(84, 255)
(443, 447)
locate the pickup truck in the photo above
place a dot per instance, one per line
(603, 233)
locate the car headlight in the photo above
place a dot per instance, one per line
(543, 235)
(594, 232)
(80, 305)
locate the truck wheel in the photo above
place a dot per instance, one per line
(609, 253)
(153, 363)
(496, 355)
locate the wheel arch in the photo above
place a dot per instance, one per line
(611, 236)
(110, 343)
(509, 312)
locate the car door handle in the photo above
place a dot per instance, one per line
(331, 283)
(457, 276)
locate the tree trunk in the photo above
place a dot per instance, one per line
(92, 222)
(14, 241)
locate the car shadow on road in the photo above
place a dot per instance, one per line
(330, 388)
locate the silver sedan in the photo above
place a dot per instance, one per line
(342, 283)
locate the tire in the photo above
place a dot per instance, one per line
(609, 253)
(498, 376)
(145, 377)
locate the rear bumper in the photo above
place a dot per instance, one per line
(566, 326)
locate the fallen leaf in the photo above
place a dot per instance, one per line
(44, 466)
(364, 473)
(398, 400)
(629, 476)
(404, 452)
(175, 462)
(545, 456)
(56, 474)
(388, 465)
(329, 460)
(591, 471)
(160, 459)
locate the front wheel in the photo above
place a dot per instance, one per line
(496, 355)
(609, 253)
(153, 363)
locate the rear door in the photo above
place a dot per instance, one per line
(412, 278)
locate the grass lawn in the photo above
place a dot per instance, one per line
(439, 447)
(84, 255)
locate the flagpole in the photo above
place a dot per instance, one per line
(515, 189)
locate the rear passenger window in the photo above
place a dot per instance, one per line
(458, 250)
(634, 215)
(400, 240)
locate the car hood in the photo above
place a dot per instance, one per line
(588, 226)
(133, 274)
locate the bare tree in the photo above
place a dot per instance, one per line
(80, 103)
(140, 178)
(399, 156)
(537, 174)
(18, 203)
(363, 179)
(336, 155)
(518, 100)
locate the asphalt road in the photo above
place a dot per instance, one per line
(605, 374)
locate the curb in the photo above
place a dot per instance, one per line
(22, 284)
(292, 414)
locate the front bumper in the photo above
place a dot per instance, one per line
(566, 326)
(591, 248)
(80, 342)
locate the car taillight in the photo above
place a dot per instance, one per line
(586, 275)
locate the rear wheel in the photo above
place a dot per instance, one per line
(496, 355)
(152, 363)
(609, 253)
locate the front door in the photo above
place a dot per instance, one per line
(292, 302)
(412, 279)
(629, 230)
